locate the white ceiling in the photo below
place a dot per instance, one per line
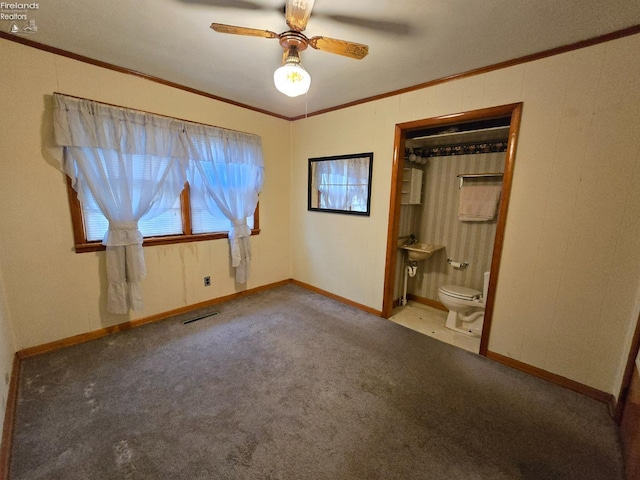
(411, 42)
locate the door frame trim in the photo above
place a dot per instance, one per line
(514, 111)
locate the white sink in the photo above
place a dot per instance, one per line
(420, 251)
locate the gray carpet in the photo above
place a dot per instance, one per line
(288, 384)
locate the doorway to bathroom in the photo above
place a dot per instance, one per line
(435, 161)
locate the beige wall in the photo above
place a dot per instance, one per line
(343, 254)
(567, 295)
(52, 292)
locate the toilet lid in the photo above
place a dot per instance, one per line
(460, 292)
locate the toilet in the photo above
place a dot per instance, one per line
(466, 307)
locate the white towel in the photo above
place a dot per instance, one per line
(478, 203)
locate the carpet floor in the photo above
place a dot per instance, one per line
(288, 384)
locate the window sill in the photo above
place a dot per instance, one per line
(152, 241)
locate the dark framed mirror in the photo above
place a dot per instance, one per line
(341, 184)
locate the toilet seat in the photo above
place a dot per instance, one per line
(462, 293)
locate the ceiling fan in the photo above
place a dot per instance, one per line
(291, 78)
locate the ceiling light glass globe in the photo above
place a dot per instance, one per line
(292, 80)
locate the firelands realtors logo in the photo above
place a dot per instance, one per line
(19, 17)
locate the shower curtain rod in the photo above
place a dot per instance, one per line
(464, 132)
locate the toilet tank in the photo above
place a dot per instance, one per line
(485, 287)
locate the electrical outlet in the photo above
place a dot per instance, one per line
(207, 281)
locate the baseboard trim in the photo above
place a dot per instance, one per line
(554, 378)
(121, 327)
(630, 427)
(9, 419)
(340, 299)
(427, 301)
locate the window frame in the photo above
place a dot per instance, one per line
(82, 245)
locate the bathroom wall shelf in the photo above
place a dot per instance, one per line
(411, 186)
(466, 176)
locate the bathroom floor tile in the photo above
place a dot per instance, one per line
(430, 321)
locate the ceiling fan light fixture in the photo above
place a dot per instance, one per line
(291, 78)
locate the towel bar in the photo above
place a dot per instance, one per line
(462, 176)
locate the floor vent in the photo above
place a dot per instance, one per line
(210, 314)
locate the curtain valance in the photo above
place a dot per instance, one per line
(225, 146)
(85, 123)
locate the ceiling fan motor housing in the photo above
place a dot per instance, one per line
(291, 39)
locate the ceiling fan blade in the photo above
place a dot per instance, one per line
(252, 32)
(385, 26)
(239, 4)
(341, 47)
(297, 13)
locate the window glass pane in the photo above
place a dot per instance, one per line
(167, 223)
(202, 220)
(96, 224)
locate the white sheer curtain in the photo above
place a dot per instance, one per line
(134, 165)
(343, 184)
(228, 173)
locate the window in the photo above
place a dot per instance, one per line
(134, 176)
(188, 220)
